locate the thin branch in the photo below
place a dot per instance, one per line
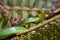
(49, 15)
(25, 8)
(40, 25)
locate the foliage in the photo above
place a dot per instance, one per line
(48, 32)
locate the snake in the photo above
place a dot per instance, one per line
(33, 19)
(19, 28)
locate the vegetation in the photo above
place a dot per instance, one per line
(26, 11)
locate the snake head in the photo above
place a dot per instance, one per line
(42, 14)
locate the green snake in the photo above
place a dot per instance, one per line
(19, 28)
(33, 19)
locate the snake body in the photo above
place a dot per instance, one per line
(33, 19)
(17, 29)
(29, 20)
(11, 31)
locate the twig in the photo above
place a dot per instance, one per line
(49, 15)
(40, 25)
(25, 8)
